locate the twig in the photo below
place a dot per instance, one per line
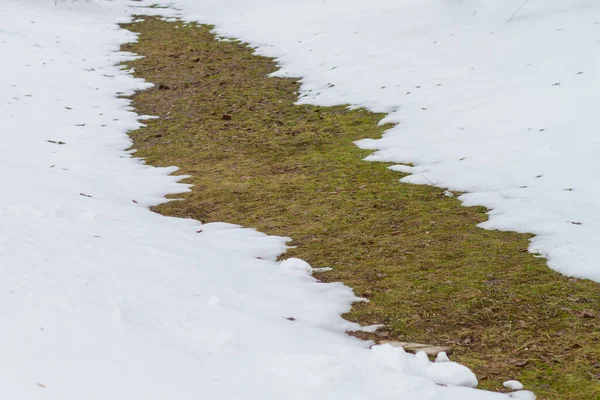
(433, 184)
(517, 11)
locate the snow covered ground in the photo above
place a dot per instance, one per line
(495, 98)
(102, 299)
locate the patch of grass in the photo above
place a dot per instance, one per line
(432, 276)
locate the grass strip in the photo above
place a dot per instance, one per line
(258, 160)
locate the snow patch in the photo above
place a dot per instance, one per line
(451, 373)
(514, 385)
(296, 264)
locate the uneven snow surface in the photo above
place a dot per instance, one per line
(495, 98)
(102, 299)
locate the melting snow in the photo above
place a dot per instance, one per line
(494, 98)
(102, 299)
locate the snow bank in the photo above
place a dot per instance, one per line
(494, 98)
(101, 298)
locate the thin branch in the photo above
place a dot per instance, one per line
(517, 11)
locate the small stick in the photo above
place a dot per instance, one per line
(517, 11)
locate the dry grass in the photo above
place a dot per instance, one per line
(258, 160)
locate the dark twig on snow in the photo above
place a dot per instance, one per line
(517, 11)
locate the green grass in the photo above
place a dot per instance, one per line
(432, 276)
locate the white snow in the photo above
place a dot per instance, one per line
(441, 357)
(296, 264)
(514, 385)
(101, 298)
(494, 98)
(522, 395)
(451, 373)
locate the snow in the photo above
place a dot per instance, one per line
(441, 357)
(451, 373)
(493, 98)
(522, 395)
(296, 264)
(102, 299)
(514, 385)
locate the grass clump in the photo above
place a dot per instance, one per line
(431, 275)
